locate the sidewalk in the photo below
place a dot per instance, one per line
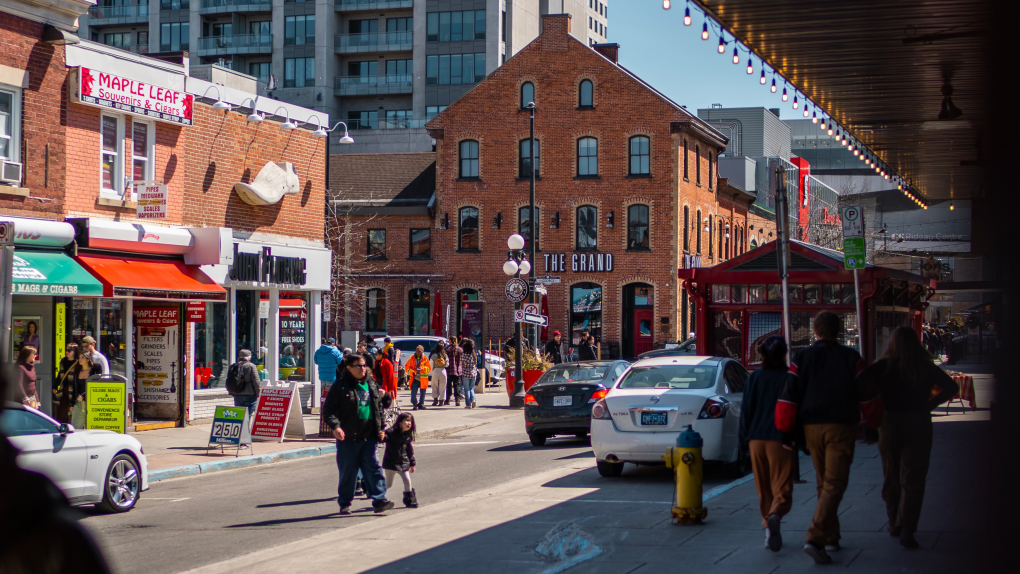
(179, 452)
(572, 520)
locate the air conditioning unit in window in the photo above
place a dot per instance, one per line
(10, 172)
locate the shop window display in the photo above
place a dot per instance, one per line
(112, 342)
(586, 311)
(293, 335)
(81, 319)
(252, 317)
(211, 357)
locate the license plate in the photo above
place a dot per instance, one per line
(562, 401)
(653, 419)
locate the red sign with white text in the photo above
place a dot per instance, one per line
(196, 312)
(126, 95)
(271, 414)
(156, 316)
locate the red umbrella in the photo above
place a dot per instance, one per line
(545, 311)
(437, 318)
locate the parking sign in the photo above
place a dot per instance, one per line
(853, 221)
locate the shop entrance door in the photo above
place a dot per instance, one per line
(642, 331)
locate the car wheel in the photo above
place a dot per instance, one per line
(741, 466)
(537, 439)
(122, 485)
(609, 469)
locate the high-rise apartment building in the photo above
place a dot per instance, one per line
(384, 67)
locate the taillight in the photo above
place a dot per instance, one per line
(714, 409)
(599, 394)
(530, 400)
(601, 410)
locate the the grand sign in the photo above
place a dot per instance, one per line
(264, 267)
(579, 262)
(130, 96)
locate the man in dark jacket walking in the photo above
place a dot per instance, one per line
(245, 386)
(552, 348)
(821, 394)
(354, 410)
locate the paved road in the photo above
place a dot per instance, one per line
(189, 522)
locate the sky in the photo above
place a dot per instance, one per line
(655, 45)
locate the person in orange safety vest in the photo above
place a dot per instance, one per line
(418, 369)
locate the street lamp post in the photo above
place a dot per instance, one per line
(515, 266)
(531, 212)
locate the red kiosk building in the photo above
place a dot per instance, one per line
(739, 302)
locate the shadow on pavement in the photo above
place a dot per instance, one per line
(296, 502)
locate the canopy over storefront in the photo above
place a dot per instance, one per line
(52, 273)
(151, 279)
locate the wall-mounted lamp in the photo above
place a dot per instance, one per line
(751, 227)
(254, 116)
(444, 221)
(344, 139)
(497, 220)
(555, 221)
(611, 219)
(220, 105)
(287, 125)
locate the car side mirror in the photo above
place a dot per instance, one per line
(66, 428)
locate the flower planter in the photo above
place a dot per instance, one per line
(530, 377)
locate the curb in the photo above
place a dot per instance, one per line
(279, 456)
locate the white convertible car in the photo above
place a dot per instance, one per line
(89, 466)
(654, 401)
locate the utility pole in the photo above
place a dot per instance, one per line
(532, 219)
(782, 242)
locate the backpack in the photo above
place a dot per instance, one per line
(234, 384)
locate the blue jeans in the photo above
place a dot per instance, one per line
(249, 401)
(415, 390)
(353, 456)
(468, 384)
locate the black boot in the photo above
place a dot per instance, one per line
(411, 499)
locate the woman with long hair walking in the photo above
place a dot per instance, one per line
(439, 361)
(469, 374)
(898, 394)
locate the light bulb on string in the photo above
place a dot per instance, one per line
(687, 16)
(785, 97)
(952, 207)
(807, 110)
(736, 56)
(829, 131)
(773, 80)
(762, 80)
(814, 117)
(722, 45)
(844, 140)
(704, 31)
(795, 104)
(750, 68)
(665, 4)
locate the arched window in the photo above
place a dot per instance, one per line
(470, 316)
(586, 95)
(375, 310)
(469, 158)
(467, 228)
(637, 227)
(524, 165)
(418, 311)
(524, 226)
(527, 94)
(587, 227)
(640, 155)
(687, 229)
(587, 156)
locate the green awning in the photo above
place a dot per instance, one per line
(52, 273)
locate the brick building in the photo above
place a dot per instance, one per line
(151, 204)
(627, 193)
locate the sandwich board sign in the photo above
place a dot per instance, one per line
(231, 426)
(278, 413)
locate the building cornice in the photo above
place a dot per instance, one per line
(699, 130)
(60, 13)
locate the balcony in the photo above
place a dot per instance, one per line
(239, 44)
(119, 14)
(387, 124)
(374, 42)
(231, 6)
(356, 5)
(372, 85)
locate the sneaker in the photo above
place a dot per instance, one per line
(474, 404)
(466, 406)
(818, 553)
(832, 547)
(382, 506)
(421, 407)
(774, 537)
(908, 541)
(767, 536)
(345, 510)
(414, 407)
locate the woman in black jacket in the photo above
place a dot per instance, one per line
(399, 456)
(897, 394)
(772, 455)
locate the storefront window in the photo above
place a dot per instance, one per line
(720, 293)
(738, 294)
(419, 310)
(211, 358)
(586, 311)
(726, 331)
(252, 317)
(112, 342)
(830, 294)
(812, 294)
(470, 316)
(293, 335)
(796, 293)
(81, 320)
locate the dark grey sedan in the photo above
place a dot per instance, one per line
(560, 402)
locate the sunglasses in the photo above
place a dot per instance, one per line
(359, 366)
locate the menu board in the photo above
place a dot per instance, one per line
(157, 356)
(105, 405)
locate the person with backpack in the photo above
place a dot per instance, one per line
(327, 359)
(243, 381)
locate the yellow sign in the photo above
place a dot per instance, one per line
(60, 328)
(105, 409)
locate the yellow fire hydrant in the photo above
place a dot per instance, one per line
(687, 464)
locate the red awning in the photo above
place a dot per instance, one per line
(151, 279)
(289, 303)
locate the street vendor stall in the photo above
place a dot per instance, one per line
(739, 302)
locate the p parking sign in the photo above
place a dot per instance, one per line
(854, 253)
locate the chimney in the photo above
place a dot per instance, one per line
(555, 31)
(611, 51)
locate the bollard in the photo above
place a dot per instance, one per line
(687, 463)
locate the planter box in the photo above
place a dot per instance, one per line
(530, 377)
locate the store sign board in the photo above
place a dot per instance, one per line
(278, 413)
(230, 426)
(130, 96)
(264, 267)
(106, 402)
(152, 200)
(157, 356)
(579, 262)
(196, 312)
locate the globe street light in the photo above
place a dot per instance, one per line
(515, 266)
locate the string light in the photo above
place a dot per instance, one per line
(762, 80)
(722, 45)
(794, 99)
(736, 56)
(807, 110)
(773, 81)
(750, 68)
(687, 16)
(830, 129)
(952, 207)
(665, 4)
(814, 117)
(785, 97)
(704, 31)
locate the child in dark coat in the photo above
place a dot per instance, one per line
(399, 456)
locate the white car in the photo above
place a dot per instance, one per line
(89, 466)
(657, 398)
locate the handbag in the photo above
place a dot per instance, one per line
(78, 415)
